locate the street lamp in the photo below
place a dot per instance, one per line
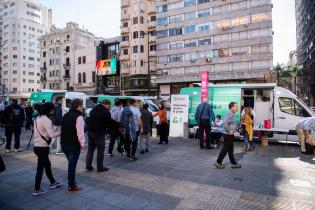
(149, 72)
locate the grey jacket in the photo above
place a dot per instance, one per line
(229, 122)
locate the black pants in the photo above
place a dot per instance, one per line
(133, 144)
(113, 137)
(204, 127)
(215, 138)
(28, 124)
(43, 162)
(96, 141)
(164, 132)
(228, 147)
(9, 131)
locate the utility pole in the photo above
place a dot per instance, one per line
(149, 72)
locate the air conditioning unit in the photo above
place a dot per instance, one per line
(165, 24)
(165, 63)
(193, 60)
(208, 59)
(141, 10)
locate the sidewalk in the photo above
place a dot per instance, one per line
(175, 176)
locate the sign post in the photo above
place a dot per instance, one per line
(204, 85)
(179, 114)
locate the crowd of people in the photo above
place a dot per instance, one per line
(124, 123)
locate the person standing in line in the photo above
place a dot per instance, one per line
(100, 121)
(248, 129)
(304, 129)
(73, 140)
(230, 126)
(203, 116)
(56, 121)
(29, 111)
(162, 113)
(116, 115)
(13, 118)
(147, 120)
(43, 133)
(131, 122)
(218, 123)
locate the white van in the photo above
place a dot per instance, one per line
(269, 101)
(87, 102)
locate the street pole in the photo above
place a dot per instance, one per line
(149, 72)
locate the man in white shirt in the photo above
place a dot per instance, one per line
(304, 129)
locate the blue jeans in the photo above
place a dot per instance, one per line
(247, 143)
(72, 153)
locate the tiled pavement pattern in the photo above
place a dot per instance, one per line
(175, 176)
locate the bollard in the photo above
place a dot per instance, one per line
(186, 130)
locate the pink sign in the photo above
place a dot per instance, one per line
(204, 85)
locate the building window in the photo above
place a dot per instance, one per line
(79, 78)
(125, 25)
(141, 20)
(135, 49)
(84, 59)
(79, 60)
(135, 20)
(175, 31)
(188, 3)
(153, 18)
(135, 34)
(153, 47)
(162, 8)
(141, 63)
(125, 38)
(141, 49)
(190, 29)
(68, 49)
(44, 54)
(125, 51)
(93, 76)
(84, 77)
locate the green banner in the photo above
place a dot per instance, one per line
(219, 98)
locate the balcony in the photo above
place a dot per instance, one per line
(66, 77)
(66, 66)
(152, 54)
(125, 30)
(43, 69)
(125, 16)
(125, 3)
(124, 44)
(152, 39)
(151, 10)
(124, 57)
(152, 24)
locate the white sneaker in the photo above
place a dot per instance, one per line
(59, 153)
(17, 150)
(7, 151)
(39, 192)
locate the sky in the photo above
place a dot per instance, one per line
(102, 17)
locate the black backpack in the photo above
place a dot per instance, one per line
(14, 117)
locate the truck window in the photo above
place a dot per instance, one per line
(89, 104)
(68, 103)
(291, 106)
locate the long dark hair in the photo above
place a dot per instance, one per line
(46, 108)
(161, 106)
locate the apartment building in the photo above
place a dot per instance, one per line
(305, 36)
(232, 39)
(108, 66)
(22, 22)
(138, 47)
(61, 68)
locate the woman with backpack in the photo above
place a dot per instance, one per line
(43, 133)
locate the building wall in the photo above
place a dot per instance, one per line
(58, 67)
(230, 39)
(138, 28)
(22, 23)
(305, 23)
(85, 65)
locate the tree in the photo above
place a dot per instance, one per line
(295, 71)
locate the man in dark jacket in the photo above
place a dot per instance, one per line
(203, 116)
(13, 118)
(56, 121)
(147, 121)
(28, 116)
(99, 122)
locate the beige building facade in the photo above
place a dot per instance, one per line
(59, 62)
(232, 39)
(138, 47)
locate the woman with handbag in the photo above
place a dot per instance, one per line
(43, 133)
